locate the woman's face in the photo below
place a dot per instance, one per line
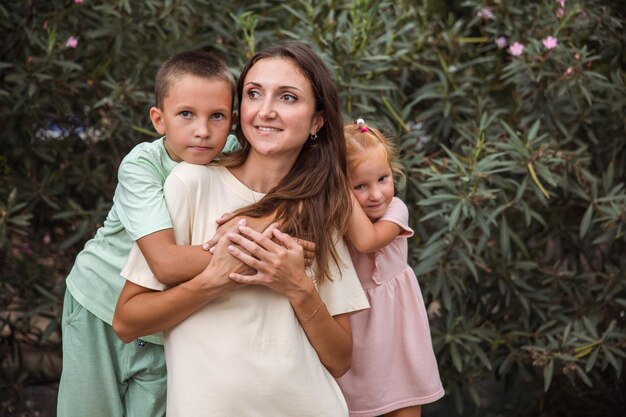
(278, 108)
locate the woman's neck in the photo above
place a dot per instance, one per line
(261, 174)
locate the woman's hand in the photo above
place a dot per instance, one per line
(278, 265)
(227, 220)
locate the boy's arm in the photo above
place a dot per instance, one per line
(171, 263)
(366, 236)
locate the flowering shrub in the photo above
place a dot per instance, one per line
(510, 118)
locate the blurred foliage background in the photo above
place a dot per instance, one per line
(510, 116)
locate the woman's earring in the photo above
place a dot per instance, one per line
(313, 136)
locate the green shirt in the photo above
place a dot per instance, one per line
(138, 210)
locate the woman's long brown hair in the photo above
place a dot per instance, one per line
(312, 201)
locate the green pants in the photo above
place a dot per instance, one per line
(103, 376)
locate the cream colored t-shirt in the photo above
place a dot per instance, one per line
(245, 353)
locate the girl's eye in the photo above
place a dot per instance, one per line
(185, 114)
(383, 178)
(359, 187)
(218, 116)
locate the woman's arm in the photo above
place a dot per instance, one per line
(280, 266)
(366, 236)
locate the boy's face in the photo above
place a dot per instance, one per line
(196, 118)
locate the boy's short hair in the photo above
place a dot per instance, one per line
(196, 63)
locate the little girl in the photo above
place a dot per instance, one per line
(394, 369)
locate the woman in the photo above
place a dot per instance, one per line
(270, 342)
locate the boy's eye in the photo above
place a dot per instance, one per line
(185, 114)
(218, 116)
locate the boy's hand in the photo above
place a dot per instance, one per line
(222, 221)
(309, 251)
(229, 221)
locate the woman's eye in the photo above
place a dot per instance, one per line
(290, 98)
(253, 94)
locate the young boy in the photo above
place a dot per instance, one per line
(102, 376)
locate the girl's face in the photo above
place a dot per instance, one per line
(371, 181)
(278, 108)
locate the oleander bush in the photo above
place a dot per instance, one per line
(510, 117)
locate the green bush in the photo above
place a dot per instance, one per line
(516, 167)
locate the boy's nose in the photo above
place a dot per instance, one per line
(202, 130)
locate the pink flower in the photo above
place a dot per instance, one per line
(485, 13)
(560, 12)
(561, 2)
(78, 1)
(71, 42)
(516, 49)
(569, 71)
(500, 42)
(549, 42)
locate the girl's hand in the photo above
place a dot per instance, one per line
(279, 266)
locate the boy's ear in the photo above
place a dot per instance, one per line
(158, 121)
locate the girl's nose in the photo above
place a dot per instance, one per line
(375, 193)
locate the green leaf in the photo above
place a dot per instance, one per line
(548, 373)
(586, 221)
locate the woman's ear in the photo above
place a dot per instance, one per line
(158, 121)
(318, 122)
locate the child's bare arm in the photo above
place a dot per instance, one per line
(171, 263)
(366, 236)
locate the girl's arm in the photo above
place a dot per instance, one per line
(280, 266)
(366, 236)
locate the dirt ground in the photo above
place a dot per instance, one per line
(41, 400)
(33, 401)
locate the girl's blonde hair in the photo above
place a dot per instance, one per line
(362, 139)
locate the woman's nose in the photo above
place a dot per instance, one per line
(267, 110)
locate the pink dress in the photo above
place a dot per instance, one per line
(393, 363)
